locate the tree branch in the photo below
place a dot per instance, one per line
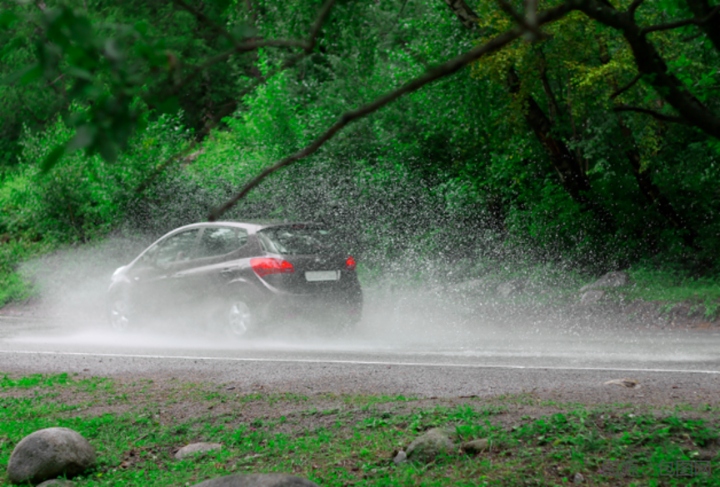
(650, 62)
(652, 113)
(160, 168)
(533, 30)
(622, 90)
(322, 16)
(464, 13)
(680, 23)
(633, 7)
(206, 20)
(446, 69)
(531, 20)
(701, 8)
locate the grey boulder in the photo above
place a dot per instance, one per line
(510, 288)
(592, 296)
(49, 453)
(609, 280)
(196, 448)
(258, 480)
(56, 483)
(428, 446)
(475, 446)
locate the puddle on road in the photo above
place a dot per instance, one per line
(413, 330)
(427, 321)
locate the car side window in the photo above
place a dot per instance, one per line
(178, 248)
(221, 241)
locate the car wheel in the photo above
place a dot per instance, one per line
(239, 318)
(119, 312)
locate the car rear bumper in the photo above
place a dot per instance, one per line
(346, 306)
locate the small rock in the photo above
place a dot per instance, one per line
(56, 483)
(258, 480)
(510, 288)
(625, 382)
(429, 445)
(591, 297)
(578, 478)
(196, 448)
(473, 285)
(475, 446)
(49, 453)
(401, 457)
(611, 279)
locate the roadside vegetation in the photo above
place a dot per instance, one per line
(572, 152)
(337, 440)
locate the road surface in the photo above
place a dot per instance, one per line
(471, 359)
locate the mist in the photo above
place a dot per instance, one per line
(407, 310)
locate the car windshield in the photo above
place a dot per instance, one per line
(296, 239)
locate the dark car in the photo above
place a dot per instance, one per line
(238, 276)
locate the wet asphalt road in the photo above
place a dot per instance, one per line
(456, 361)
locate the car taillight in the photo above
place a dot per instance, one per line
(350, 263)
(264, 266)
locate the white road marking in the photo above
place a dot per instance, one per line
(362, 362)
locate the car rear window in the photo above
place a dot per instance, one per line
(296, 239)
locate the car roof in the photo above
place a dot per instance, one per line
(252, 226)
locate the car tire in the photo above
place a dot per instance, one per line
(239, 320)
(120, 314)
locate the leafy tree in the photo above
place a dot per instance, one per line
(583, 128)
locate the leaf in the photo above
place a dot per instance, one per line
(24, 76)
(82, 30)
(112, 50)
(243, 31)
(141, 27)
(80, 73)
(84, 137)
(107, 148)
(52, 158)
(168, 105)
(7, 18)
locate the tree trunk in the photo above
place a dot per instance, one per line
(711, 27)
(649, 62)
(566, 164)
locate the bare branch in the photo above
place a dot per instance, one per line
(160, 168)
(650, 62)
(531, 20)
(691, 38)
(239, 48)
(464, 13)
(622, 90)
(446, 69)
(680, 23)
(322, 16)
(660, 116)
(206, 20)
(702, 9)
(633, 7)
(533, 30)
(307, 45)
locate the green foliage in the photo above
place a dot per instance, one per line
(456, 172)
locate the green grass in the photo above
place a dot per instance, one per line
(671, 288)
(349, 440)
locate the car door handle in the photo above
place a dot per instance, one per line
(228, 271)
